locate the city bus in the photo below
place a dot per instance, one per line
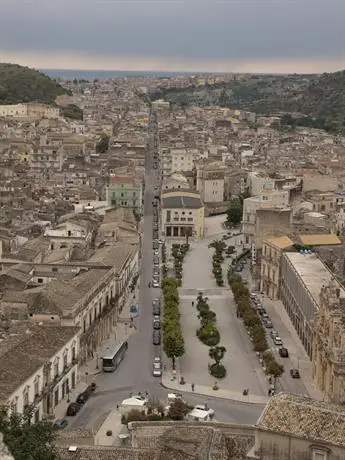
(113, 356)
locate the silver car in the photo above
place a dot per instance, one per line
(157, 369)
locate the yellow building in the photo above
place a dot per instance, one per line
(182, 213)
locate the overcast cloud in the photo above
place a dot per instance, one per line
(164, 33)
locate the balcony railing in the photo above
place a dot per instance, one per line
(51, 383)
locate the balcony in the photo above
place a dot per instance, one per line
(51, 383)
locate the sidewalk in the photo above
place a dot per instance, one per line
(87, 372)
(168, 381)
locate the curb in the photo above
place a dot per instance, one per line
(247, 403)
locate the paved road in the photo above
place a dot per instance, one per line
(134, 373)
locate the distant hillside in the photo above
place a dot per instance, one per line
(322, 98)
(20, 84)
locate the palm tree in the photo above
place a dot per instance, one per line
(217, 353)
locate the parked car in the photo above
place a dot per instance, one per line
(273, 333)
(156, 324)
(239, 268)
(156, 310)
(268, 324)
(155, 270)
(82, 398)
(155, 283)
(278, 341)
(295, 373)
(205, 408)
(61, 424)
(284, 353)
(73, 409)
(155, 260)
(157, 369)
(156, 338)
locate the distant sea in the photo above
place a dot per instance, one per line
(92, 74)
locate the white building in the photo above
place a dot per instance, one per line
(269, 199)
(39, 369)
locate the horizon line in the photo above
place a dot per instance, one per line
(199, 72)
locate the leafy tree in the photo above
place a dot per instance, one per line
(178, 409)
(217, 353)
(173, 344)
(103, 144)
(72, 111)
(275, 369)
(234, 212)
(26, 440)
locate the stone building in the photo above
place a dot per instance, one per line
(272, 250)
(329, 343)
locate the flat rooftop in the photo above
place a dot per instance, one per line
(312, 272)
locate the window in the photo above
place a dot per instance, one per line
(26, 396)
(56, 367)
(37, 385)
(122, 194)
(65, 357)
(39, 280)
(55, 269)
(319, 455)
(134, 193)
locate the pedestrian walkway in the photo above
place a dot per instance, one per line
(88, 371)
(172, 382)
(112, 425)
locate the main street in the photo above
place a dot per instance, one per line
(135, 372)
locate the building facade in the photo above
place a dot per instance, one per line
(272, 250)
(182, 214)
(302, 276)
(329, 343)
(46, 370)
(125, 192)
(211, 182)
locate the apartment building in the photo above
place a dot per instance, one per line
(38, 368)
(210, 182)
(269, 199)
(125, 191)
(272, 251)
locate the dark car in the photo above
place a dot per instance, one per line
(155, 270)
(156, 338)
(82, 398)
(73, 409)
(156, 310)
(155, 245)
(284, 353)
(156, 324)
(295, 373)
(61, 424)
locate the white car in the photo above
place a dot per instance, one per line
(205, 408)
(155, 284)
(157, 369)
(278, 341)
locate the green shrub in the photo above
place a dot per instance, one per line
(217, 370)
(209, 334)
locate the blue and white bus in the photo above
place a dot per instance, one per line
(113, 356)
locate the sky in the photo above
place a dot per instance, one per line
(176, 35)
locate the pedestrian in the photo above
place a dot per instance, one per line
(192, 386)
(193, 303)
(117, 407)
(146, 394)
